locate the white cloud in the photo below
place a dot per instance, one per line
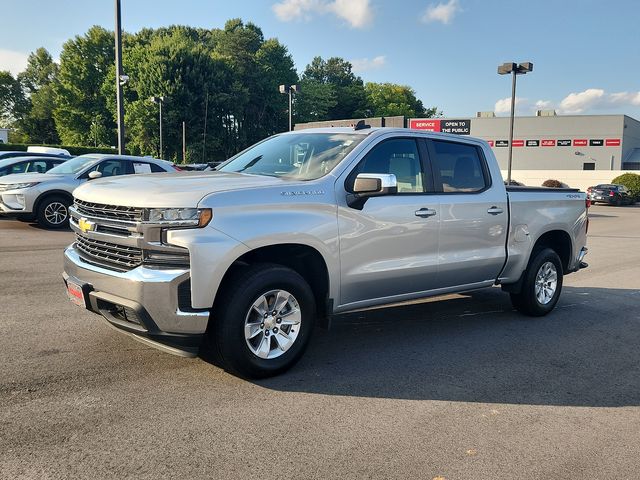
(624, 98)
(442, 12)
(357, 13)
(13, 61)
(363, 64)
(579, 102)
(504, 104)
(544, 105)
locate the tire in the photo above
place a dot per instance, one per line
(238, 314)
(53, 212)
(533, 300)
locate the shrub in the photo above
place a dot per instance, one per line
(631, 181)
(515, 183)
(73, 149)
(553, 183)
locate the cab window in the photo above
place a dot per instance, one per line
(459, 165)
(399, 157)
(110, 168)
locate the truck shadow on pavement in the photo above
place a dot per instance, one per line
(475, 348)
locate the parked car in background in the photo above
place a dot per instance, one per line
(48, 150)
(16, 153)
(35, 164)
(46, 197)
(611, 194)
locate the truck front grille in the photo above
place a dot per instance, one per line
(109, 254)
(109, 212)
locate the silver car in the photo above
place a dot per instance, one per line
(45, 197)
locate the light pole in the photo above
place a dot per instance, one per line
(159, 101)
(290, 89)
(514, 69)
(120, 80)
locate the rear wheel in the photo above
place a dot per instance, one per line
(263, 321)
(541, 286)
(53, 212)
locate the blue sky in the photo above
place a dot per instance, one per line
(585, 52)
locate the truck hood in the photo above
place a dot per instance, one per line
(158, 190)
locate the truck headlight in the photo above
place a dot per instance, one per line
(180, 217)
(18, 186)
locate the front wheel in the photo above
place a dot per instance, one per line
(541, 286)
(263, 321)
(53, 212)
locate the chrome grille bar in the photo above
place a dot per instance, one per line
(109, 253)
(110, 212)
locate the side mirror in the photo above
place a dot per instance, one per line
(95, 174)
(371, 185)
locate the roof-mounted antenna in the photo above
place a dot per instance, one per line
(361, 125)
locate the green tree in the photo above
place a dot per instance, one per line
(346, 88)
(37, 81)
(390, 99)
(12, 99)
(84, 64)
(314, 101)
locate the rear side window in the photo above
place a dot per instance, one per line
(399, 157)
(460, 167)
(157, 169)
(37, 166)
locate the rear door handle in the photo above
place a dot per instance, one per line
(495, 211)
(425, 212)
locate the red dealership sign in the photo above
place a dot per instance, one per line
(580, 142)
(425, 124)
(490, 142)
(518, 143)
(548, 143)
(612, 142)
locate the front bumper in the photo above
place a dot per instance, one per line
(143, 302)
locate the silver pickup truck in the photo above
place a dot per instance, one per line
(247, 259)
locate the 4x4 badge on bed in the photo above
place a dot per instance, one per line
(86, 226)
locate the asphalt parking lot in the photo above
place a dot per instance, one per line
(460, 388)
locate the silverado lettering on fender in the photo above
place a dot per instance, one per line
(308, 224)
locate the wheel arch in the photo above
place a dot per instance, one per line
(558, 241)
(49, 193)
(307, 261)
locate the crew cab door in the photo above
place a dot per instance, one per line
(473, 213)
(389, 247)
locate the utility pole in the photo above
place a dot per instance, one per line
(513, 69)
(290, 89)
(204, 135)
(159, 101)
(120, 78)
(184, 142)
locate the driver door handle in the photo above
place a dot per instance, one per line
(495, 210)
(425, 212)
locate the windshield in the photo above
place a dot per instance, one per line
(298, 156)
(74, 165)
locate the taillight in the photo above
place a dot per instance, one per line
(611, 193)
(588, 203)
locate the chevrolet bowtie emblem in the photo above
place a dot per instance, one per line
(86, 226)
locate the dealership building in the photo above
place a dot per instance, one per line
(551, 142)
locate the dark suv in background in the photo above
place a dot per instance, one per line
(611, 194)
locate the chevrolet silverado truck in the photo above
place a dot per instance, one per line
(305, 225)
